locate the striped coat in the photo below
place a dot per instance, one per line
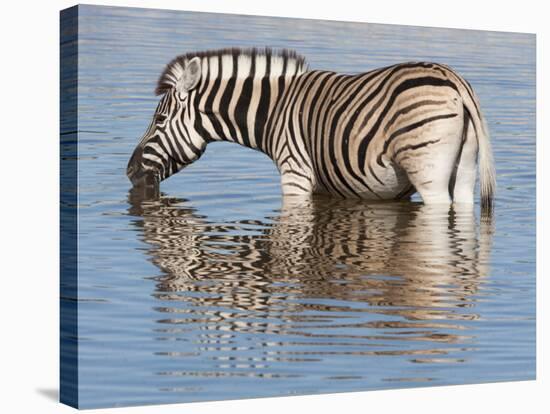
(379, 135)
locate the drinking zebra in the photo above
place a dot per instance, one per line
(379, 135)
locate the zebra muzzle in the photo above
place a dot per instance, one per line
(144, 179)
(139, 176)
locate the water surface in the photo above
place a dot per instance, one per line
(221, 289)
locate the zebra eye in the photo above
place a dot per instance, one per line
(160, 118)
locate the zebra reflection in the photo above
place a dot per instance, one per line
(415, 262)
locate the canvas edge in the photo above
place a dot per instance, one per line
(68, 198)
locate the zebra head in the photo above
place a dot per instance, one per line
(170, 143)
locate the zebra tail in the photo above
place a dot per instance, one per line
(487, 174)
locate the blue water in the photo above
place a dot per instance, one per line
(219, 290)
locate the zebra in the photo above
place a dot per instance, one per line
(380, 135)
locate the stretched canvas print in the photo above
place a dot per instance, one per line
(257, 206)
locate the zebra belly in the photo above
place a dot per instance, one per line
(386, 183)
(379, 183)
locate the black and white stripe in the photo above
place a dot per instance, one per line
(378, 135)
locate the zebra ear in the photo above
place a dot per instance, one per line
(191, 75)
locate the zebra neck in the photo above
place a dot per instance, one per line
(241, 110)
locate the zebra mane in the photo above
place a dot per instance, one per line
(281, 62)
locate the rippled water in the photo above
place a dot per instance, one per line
(221, 289)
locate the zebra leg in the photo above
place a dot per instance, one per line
(463, 191)
(297, 178)
(429, 158)
(296, 184)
